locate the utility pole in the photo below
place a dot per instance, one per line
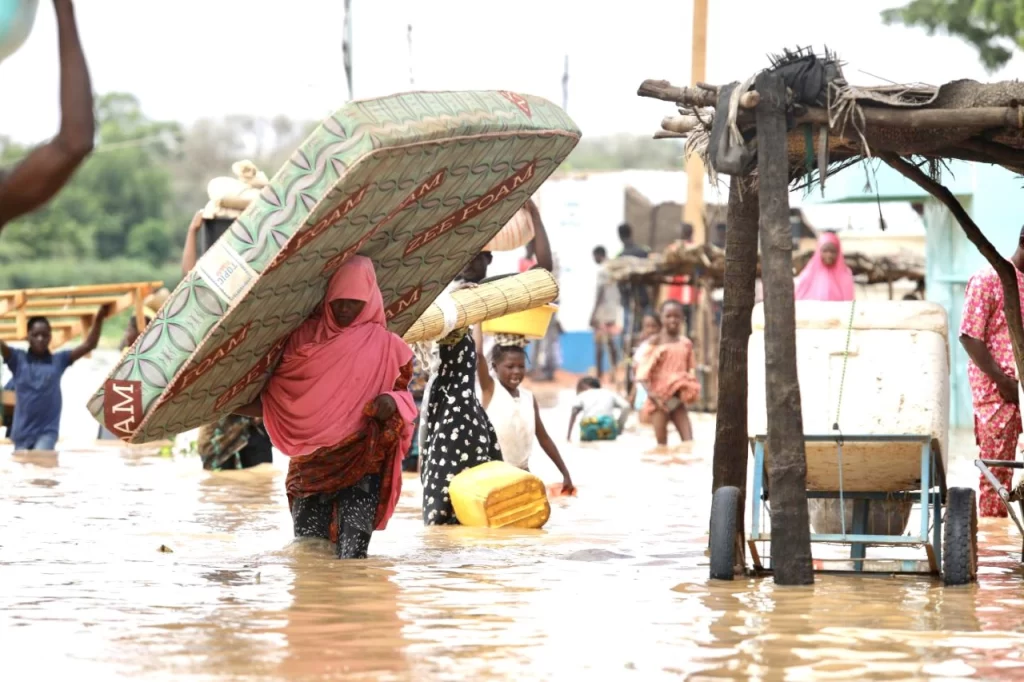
(412, 80)
(565, 86)
(346, 48)
(693, 212)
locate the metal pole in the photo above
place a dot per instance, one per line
(565, 85)
(412, 80)
(346, 48)
(693, 212)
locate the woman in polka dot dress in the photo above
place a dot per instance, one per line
(459, 435)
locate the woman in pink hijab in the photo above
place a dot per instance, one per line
(338, 405)
(826, 276)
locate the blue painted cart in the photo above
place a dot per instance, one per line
(879, 467)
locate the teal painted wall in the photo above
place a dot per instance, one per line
(992, 197)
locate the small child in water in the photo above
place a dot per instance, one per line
(597, 406)
(512, 410)
(668, 372)
(649, 330)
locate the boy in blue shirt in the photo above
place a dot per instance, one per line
(37, 373)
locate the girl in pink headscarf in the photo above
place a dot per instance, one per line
(826, 276)
(338, 405)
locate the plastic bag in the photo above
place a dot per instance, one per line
(16, 19)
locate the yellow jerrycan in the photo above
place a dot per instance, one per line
(499, 495)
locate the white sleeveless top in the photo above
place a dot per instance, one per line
(515, 424)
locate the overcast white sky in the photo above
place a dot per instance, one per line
(193, 58)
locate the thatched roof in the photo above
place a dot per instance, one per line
(959, 120)
(707, 263)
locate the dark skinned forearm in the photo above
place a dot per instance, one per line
(980, 356)
(77, 126)
(46, 169)
(541, 244)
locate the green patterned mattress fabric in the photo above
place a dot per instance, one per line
(417, 182)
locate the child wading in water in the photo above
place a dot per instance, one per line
(649, 330)
(666, 371)
(512, 410)
(597, 405)
(37, 373)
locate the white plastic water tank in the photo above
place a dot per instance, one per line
(897, 383)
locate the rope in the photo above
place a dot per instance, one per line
(842, 379)
(839, 407)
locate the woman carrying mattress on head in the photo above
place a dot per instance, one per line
(338, 405)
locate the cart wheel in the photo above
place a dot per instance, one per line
(960, 538)
(724, 507)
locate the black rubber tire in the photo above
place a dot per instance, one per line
(960, 538)
(724, 509)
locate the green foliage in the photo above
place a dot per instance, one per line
(67, 272)
(994, 27)
(620, 152)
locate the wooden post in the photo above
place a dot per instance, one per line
(730, 459)
(787, 473)
(693, 210)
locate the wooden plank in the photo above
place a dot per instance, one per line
(56, 313)
(791, 544)
(87, 290)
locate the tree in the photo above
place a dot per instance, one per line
(994, 27)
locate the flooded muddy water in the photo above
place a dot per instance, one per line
(615, 587)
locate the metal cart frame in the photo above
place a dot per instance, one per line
(931, 501)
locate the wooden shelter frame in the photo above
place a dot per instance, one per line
(797, 142)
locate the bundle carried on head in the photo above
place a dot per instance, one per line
(230, 196)
(510, 340)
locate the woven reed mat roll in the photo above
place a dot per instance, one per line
(514, 294)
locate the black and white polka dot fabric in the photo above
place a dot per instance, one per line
(459, 434)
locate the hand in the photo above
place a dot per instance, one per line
(197, 222)
(385, 406)
(567, 487)
(459, 286)
(1008, 389)
(593, 322)
(105, 311)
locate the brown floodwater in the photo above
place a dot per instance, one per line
(615, 587)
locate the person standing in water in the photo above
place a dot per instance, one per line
(650, 328)
(338, 405)
(511, 408)
(37, 374)
(667, 374)
(826, 277)
(47, 168)
(459, 434)
(604, 319)
(992, 373)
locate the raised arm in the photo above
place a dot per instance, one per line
(92, 339)
(190, 254)
(46, 169)
(483, 373)
(541, 244)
